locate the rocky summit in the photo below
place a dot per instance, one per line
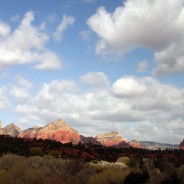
(12, 130)
(112, 139)
(58, 130)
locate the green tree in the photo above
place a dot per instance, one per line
(36, 151)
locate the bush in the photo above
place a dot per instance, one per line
(36, 151)
(137, 178)
(109, 175)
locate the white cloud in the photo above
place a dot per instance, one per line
(22, 82)
(95, 79)
(142, 66)
(19, 94)
(64, 24)
(143, 23)
(26, 45)
(138, 107)
(4, 101)
(4, 30)
(128, 86)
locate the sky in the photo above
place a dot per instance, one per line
(100, 65)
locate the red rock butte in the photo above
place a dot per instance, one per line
(58, 130)
(111, 139)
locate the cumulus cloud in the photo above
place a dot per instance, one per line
(22, 82)
(139, 108)
(128, 86)
(26, 45)
(143, 23)
(64, 24)
(4, 30)
(95, 79)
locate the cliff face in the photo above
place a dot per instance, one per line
(1, 130)
(11, 130)
(135, 144)
(182, 145)
(57, 130)
(112, 139)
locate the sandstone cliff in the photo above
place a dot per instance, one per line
(1, 130)
(12, 130)
(135, 144)
(112, 139)
(58, 130)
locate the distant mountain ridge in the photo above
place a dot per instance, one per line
(61, 131)
(155, 145)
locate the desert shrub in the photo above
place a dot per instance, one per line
(54, 153)
(5, 177)
(173, 179)
(109, 175)
(8, 160)
(74, 166)
(132, 163)
(53, 180)
(34, 176)
(156, 176)
(17, 171)
(166, 166)
(137, 178)
(123, 159)
(36, 151)
(180, 174)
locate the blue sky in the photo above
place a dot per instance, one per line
(99, 65)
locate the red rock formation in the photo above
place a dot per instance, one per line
(112, 139)
(135, 144)
(182, 145)
(58, 131)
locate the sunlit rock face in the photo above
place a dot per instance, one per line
(135, 144)
(11, 130)
(1, 130)
(112, 139)
(182, 145)
(58, 130)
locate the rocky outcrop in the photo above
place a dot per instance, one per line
(1, 130)
(182, 145)
(58, 130)
(89, 140)
(12, 130)
(112, 139)
(135, 144)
